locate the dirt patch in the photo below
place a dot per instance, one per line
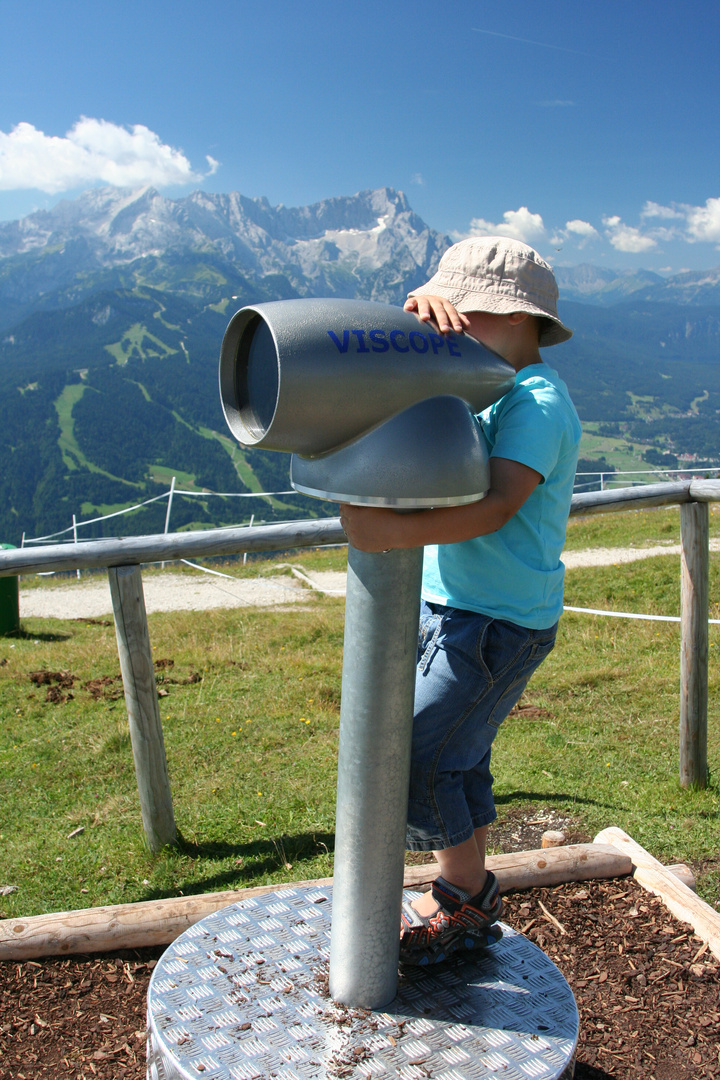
(59, 684)
(83, 1017)
(90, 600)
(645, 986)
(518, 830)
(106, 686)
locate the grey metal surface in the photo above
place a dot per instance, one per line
(432, 454)
(378, 687)
(242, 995)
(309, 376)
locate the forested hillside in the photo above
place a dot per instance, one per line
(122, 400)
(109, 347)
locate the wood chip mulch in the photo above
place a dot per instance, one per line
(646, 989)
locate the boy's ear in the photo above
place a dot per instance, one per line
(517, 317)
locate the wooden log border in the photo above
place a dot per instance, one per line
(680, 900)
(158, 922)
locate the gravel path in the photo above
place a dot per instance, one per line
(176, 592)
(183, 592)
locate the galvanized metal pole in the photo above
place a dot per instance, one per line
(695, 572)
(378, 690)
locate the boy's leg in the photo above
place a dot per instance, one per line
(472, 670)
(453, 917)
(463, 866)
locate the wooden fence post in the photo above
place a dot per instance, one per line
(695, 569)
(141, 698)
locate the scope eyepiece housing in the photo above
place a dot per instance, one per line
(340, 384)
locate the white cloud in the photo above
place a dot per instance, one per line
(519, 224)
(655, 210)
(580, 232)
(417, 178)
(626, 237)
(704, 221)
(581, 228)
(658, 225)
(92, 151)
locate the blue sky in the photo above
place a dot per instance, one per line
(588, 129)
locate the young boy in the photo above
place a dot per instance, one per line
(492, 582)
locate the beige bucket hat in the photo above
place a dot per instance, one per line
(500, 275)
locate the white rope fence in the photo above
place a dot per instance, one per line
(604, 478)
(297, 572)
(90, 521)
(630, 615)
(609, 477)
(123, 558)
(169, 494)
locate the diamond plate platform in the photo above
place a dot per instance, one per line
(242, 995)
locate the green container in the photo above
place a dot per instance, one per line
(9, 602)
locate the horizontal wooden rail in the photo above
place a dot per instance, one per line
(632, 498)
(165, 547)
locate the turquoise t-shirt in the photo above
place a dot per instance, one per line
(516, 573)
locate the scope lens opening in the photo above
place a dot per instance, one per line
(257, 378)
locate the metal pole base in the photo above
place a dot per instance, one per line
(243, 995)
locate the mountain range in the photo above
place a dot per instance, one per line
(595, 285)
(113, 306)
(371, 246)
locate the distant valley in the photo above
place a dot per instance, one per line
(113, 306)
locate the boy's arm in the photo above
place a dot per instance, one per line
(371, 528)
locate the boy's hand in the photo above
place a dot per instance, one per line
(369, 528)
(437, 310)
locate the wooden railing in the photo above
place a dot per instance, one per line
(123, 558)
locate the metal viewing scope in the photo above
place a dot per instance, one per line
(375, 406)
(378, 409)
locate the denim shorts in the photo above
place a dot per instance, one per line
(471, 670)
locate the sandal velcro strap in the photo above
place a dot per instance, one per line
(409, 917)
(461, 923)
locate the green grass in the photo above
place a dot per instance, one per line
(139, 338)
(252, 745)
(163, 474)
(617, 450)
(73, 456)
(606, 751)
(632, 528)
(251, 748)
(242, 468)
